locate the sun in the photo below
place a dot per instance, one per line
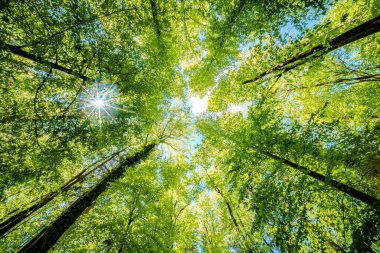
(99, 101)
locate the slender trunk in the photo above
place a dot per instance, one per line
(155, 17)
(17, 50)
(232, 215)
(336, 247)
(45, 239)
(15, 219)
(368, 28)
(337, 185)
(229, 208)
(239, 228)
(352, 80)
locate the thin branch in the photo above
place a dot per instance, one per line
(84, 22)
(42, 20)
(35, 100)
(347, 81)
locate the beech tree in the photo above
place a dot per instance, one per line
(189, 126)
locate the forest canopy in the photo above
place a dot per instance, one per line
(190, 126)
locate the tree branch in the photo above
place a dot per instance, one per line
(361, 31)
(37, 116)
(16, 50)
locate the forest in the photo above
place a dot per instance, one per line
(190, 126)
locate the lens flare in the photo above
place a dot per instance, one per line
(99, 101)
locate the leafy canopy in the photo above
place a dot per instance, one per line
(84, 83)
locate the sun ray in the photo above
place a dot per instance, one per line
(107, 112)
(98, 101)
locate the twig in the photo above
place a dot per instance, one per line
(37, 116)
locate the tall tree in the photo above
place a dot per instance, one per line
(19, 216)
(366, 29)
(48, 236)
(288, 165)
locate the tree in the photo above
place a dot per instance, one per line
(19, 216)
(366, 29)
(342, 187)
(47, 237)
(285, 158)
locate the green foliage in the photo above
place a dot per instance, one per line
(219, 181)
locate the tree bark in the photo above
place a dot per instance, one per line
(240, 228)
(17, 50)
(368, 28)
(155, 18)
(45, 239)
(351, 80)
(230, 212)
(15, 219)
(337, 185)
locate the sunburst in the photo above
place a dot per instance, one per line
(99, 101)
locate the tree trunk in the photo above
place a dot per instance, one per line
(155, 18)
(16, 50)
(368, 28)
(240, 228)
(15, 219)
(230, 212)
(45, 239)
(337, 185)
(351, 80)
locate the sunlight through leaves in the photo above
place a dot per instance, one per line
(99, 101)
